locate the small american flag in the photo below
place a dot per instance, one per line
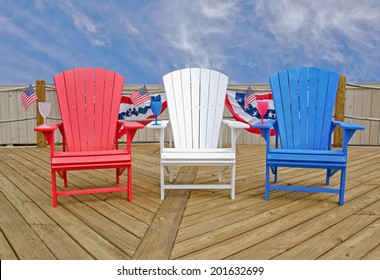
(249, 97)
(28, 97)
(140, 96)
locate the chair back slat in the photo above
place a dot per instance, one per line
(89, 101)
(304, 100)
(99, 99)
(303, 72)
(204, 89)
(195, 74)
(187, 110)
(111, 105)
(295, 120)
(331, 92)
(79, 98)
(312, 107)
(221, 83)
(173, 83)
(90, 110)
(195, 100)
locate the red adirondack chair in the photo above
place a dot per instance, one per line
(89, 101)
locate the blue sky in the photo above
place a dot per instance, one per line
(248, 40)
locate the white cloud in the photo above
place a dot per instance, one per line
(82, 22)
(333, 33)
(216, 9)
(39, 4)
(194, 32)
(131, 28)
(47, 48)
(246, 39)
(9, 28)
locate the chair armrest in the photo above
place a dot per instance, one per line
(236, 128)
(129, 129)
(130, 125)
(346, 125)
(235, 124)
(348, 131)
(268, 124)
(162, 124)
(47, 128)
(48, 132)
(265, 130)
(160, 130)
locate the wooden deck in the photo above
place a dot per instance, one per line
(187, 224)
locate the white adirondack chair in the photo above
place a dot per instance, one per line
(195, 99)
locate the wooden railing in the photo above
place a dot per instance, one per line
(359, 103)
(41, 95)
(339, 111)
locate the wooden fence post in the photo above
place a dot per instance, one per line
(41, 95)
(339, 110)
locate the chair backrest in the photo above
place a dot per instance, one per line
(304, 100)
(195, 98)
(89, 101)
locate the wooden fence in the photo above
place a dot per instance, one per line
(361, 104)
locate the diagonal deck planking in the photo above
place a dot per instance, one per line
(162, 232)
(198, 224)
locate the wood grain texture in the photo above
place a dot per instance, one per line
(158, 242)
(197, 224)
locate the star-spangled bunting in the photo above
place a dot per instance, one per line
(249, 97)
(141, 113)
(235, 102)
(140, 96)
(130, 112)
(28, 97)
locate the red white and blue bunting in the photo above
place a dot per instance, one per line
(235, 103)
(142, 112)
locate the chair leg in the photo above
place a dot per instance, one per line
(274, 171)
(328, 171)
(54, 188)
(342, 186)
(130, 183)
(162, 181)
(117, 175)
(220, 170)
(65, 179)
(267, 182)
(233, 174)
(170, 174)
(169, 170)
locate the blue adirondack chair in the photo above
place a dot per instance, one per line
(304, 101)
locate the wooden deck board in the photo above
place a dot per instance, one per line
(42, 225)
(198, 224)
(373, 255)
(6, 252)
(328, 238)
(306, 231)
(97, 246)
(162, 232)
(25, 242)
(357, 246)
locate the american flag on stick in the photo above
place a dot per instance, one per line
(249, 97)
(139, 96)
(28, 97)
